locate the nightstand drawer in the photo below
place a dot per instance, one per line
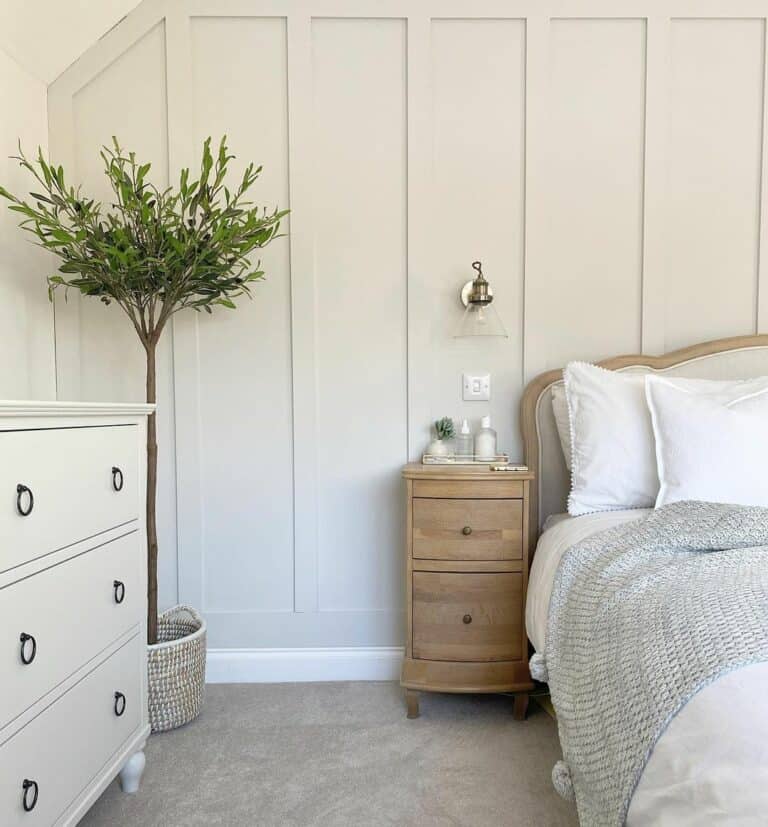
(467, 529)
(495, 489)
(467, 617)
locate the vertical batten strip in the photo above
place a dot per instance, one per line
(761, 309)
(185, 345)
(66, 313)
(657, 67)
(534, 353)
(535, 297)
(419, 233)
(303, 309)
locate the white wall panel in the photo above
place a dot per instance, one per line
(360, 274)
(121, 101)
(605, 167)
(244, 365)
(716, 117)
(594, 188)
(27, 364)
(109, 364)
(478, 139)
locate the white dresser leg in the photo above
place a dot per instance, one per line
(130, 774)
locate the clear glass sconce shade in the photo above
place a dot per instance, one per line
(480, 320)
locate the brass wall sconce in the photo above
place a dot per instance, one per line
(480, 317)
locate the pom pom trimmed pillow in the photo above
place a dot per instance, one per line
(621, 458)
(613, 463)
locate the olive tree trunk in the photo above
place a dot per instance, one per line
(151, 348)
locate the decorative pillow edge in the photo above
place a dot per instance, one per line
(656, 429)
(574, 465)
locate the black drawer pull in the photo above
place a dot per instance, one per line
(24, 638)
(27, 785)
(467, 530)
(21, 490)
(117, 478)
(467, 619)
(119, 703)
(119, 588)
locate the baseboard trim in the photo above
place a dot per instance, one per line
(364, 663)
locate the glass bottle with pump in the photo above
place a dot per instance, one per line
(464, 442)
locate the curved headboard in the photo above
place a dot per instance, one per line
(740, 357)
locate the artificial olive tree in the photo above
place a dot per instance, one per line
(152, 252)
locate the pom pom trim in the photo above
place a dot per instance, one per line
(562, 781)
(538, 668)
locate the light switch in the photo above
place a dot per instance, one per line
(476, 387)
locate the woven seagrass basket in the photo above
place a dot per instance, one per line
(176, 666)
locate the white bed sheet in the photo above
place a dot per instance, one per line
(561, 532)
(711, 765)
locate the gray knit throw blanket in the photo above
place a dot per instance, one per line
(642, 617)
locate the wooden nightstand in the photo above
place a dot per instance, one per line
(466, 579)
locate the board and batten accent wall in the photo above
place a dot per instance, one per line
(605, 162)
(27, 357)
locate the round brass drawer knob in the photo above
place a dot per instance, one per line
(467, 618)
(466, 531)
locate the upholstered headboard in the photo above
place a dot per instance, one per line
(741, 357)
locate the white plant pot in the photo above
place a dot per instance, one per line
(438, 448)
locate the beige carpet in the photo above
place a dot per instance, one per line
(345, 754)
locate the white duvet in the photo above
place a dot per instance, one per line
(711, 765)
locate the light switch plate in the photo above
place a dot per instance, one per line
(476, 387)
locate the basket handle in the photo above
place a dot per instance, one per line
(174, 611)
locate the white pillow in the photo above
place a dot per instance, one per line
(710, 447)
(562, 421)
(725, 391)
(613, 450)
(613, 464)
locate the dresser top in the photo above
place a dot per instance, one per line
(37, 408)
(417, 470)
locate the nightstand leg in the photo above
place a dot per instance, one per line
(521, 706)
(412, 702)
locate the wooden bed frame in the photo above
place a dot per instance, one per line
(736, 357)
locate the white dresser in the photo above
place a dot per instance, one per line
(73, 695)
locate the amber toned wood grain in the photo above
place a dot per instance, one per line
(412, 703)
(462, 473)
(528, 487)
(499, 488)
(521, 706)
(447, 676)
(501, 608)
(409, 568)
(467, 617)
(467, 529)
(469, 566)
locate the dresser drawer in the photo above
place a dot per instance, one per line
(69, 474)
(64, 747)
(453, 529)
(71, 612)
(467, 617)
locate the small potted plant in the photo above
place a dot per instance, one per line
(444, 431)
